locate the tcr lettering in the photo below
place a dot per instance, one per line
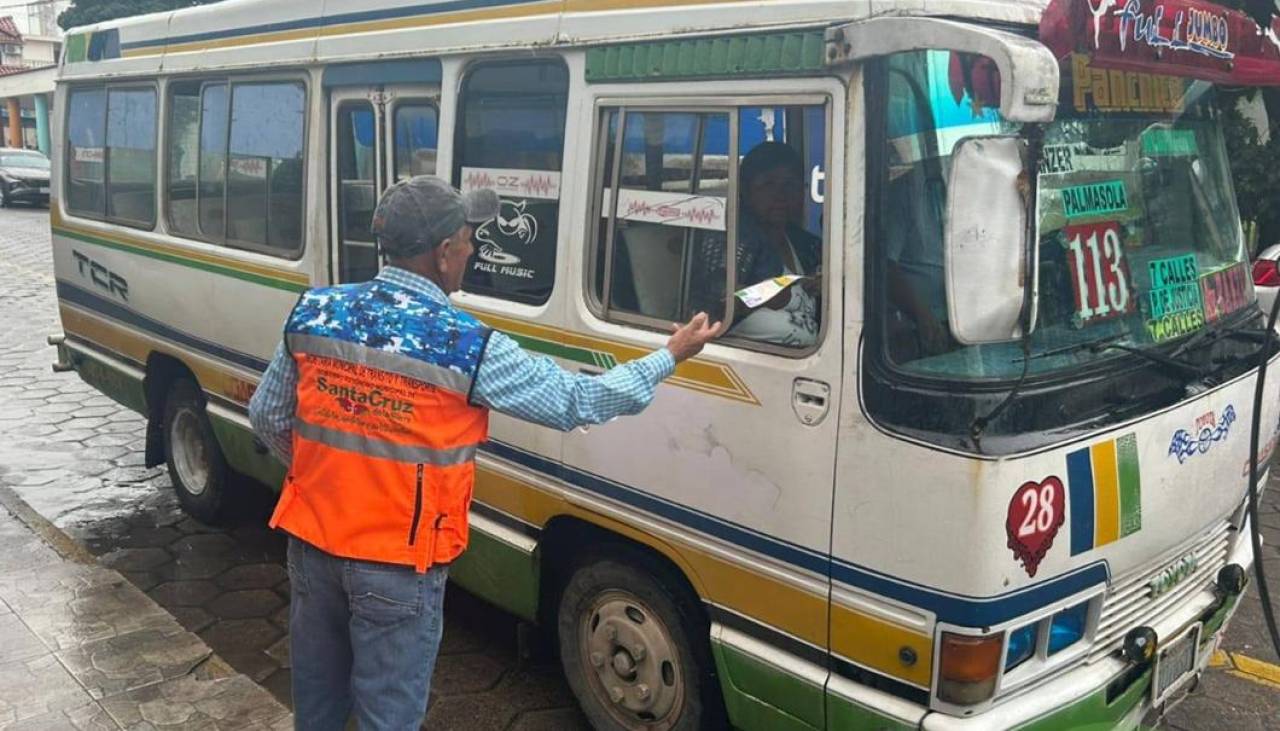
(102, 277)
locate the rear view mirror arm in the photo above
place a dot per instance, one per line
(1034, 135)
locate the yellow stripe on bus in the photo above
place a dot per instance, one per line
(713, 379)
(1106, 492)
(129, 343)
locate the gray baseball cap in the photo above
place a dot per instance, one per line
(415, 215)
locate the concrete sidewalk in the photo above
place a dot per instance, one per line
(82, 648)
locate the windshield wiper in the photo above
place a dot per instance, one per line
(1172, 365)
(1213, 335)
(1169, 362)
(1076, 348)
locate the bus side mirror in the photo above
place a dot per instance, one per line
(1029, 76)
(991, 286)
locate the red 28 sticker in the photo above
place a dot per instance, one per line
(1036, 512)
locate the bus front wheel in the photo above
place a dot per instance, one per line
(633, 643)
(196, 466)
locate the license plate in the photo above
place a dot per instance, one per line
(1175, 665)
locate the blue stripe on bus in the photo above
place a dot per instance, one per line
(326, 21)
(116, 311)
(957, 609)
(949, 607)
(1080, 481)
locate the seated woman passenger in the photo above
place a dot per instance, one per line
(772, 243)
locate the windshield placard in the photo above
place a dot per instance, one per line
(1170, 143)
(1225, 291)
(1099, 272)
(1095, 199)
(1175, 286)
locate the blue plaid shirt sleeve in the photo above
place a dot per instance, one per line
(533, 388)
(272, 408)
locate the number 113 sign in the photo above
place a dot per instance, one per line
(1099, 272)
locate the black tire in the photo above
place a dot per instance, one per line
(616, 599)
(4, 197)
(196, 464)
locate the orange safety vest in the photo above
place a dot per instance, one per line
(385, 436)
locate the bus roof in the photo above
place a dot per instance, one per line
(248, 33)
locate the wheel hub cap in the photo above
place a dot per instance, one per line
(632, 663)
(189, 456)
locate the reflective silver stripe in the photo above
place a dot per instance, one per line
(382, 449)
(382, 360)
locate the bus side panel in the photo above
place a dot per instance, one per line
(747, 679)
(237, 442)
(115, 381)
(500, 567)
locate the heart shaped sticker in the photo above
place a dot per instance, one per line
(1036, 512)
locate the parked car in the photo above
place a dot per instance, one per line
(1266, 277)
(24, 177)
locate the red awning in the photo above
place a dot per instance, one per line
(1188, 38)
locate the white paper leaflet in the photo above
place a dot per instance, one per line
(758, 294)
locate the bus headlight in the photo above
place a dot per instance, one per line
(1068, 627)
(968, 669)
(1022, 645)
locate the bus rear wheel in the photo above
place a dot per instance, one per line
(633, 646)
(197, 467)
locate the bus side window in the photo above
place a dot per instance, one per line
(195, 191)
(212, 188)
(264, 165)
(669, 210)
(670, 232)
(357, 190)
(510, 137)
(131, 160)
(111, 155)
(416, 126)
(86, 168)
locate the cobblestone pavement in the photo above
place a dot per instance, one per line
(76, 457)
(81, 647)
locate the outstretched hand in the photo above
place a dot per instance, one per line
(688, 340)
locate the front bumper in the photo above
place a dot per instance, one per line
(27, 194)
(1109, 693)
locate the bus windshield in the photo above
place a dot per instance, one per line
(1140, 241)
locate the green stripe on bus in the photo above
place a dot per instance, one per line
(1130, 485)
(745, 55)
(557, 350)
(184, 261)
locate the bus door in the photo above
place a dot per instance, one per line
(381, 135)
(734, 461)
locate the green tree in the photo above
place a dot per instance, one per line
(1256, 167)
(85, 12)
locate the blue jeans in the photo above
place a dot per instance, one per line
(363, 639)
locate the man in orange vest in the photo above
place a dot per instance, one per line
(378, 399)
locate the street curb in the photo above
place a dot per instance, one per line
(48, 532)
(212, 667)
